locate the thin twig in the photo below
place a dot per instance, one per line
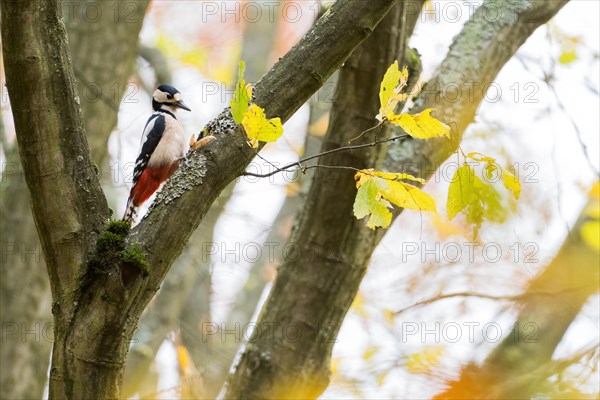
(578, 133)
(490, 297)
(368, 130)
(331, 167)
(264, 159)
(459, 294)
(339, 149)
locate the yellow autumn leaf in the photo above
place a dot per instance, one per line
(424, 361)
(567, 57)
(421, 126)
(408, 196)
(363, 176)
(358, 305)
(370, 352)
(461, 192)
(369, 202)
(590, 233)
(377, 189)
(511, 183)
(392, 176)
(478, 200)
(480, 157)
(260, 129)
(241, 96)
(394, 81)
(400, 193)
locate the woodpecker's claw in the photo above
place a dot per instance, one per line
(198, 144)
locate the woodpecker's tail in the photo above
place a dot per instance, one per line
(130, 212)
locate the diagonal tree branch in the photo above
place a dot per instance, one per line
(459, 85)
(281, 92)
(334, 250)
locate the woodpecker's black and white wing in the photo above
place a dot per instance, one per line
(153, 132)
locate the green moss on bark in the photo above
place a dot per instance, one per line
(112, 251)
(133, 255)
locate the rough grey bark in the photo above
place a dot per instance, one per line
(288, 353)
(96, 314)
(516, 368)
(25, 288)
(331, 260)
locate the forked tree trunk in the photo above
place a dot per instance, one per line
(96, 309)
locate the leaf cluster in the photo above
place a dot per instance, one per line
(477, 199)
(377, 191)
(251, 116)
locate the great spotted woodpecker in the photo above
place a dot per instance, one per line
(164, 145)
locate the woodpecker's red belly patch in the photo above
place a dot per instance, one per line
(150, 180)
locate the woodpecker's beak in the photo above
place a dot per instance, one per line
(181, 104)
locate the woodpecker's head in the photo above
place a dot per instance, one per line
(169, 98)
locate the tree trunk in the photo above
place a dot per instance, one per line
(67, 201)
(211, 351)
(25, 288)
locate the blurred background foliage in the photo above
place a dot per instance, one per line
(440, 312)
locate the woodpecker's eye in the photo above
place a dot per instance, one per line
(169, 96)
